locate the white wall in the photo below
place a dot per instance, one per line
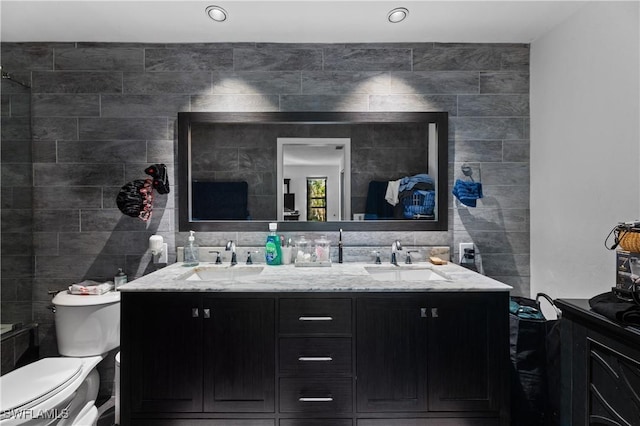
(585, 146)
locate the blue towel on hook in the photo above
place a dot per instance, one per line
(467, 192)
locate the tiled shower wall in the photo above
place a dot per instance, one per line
(16, 222)
(102, 112)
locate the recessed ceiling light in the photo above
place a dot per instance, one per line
(217, 13)
(398, 14)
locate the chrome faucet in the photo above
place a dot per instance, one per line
(231, 246)
(395, 248)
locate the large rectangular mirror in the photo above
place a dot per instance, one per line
(315, 171)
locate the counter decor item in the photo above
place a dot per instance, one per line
(318, 254)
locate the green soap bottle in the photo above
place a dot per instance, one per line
(272, 249)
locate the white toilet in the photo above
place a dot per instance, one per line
(62, 391)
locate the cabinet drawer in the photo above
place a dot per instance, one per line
(305, 395)
(201, 422)
(316, 422)
(315, 316)
(429, 422)
(325, 356)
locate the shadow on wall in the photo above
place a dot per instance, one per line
(135, 266)
(488, 231)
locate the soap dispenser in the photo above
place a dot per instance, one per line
(272, 249)
(120, 278)
(191, 251)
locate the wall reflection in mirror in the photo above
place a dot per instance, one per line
(312, 170)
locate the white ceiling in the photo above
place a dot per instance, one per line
(300, 21)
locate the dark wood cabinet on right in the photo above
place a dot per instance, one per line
(600, 380)
(434, 353)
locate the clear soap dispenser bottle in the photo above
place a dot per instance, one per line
(191, 251)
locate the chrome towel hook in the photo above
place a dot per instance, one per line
(467, 171)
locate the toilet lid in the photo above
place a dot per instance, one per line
(36, 381)
(64, 298)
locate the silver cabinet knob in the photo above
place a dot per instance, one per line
(195, 313)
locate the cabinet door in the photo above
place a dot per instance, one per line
(239, 355)
(161, 352)
(468, 356)
(391, 354)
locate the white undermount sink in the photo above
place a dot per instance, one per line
(217, 273)
(400, 273)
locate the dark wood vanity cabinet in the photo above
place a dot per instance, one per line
(467, 352)
(305, 359)
(436, 353)
(392, 354)
(161, 336)
(238, 355)
(195, 354)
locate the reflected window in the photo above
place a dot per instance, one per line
(317, 199)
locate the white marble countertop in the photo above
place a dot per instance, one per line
(344, 277)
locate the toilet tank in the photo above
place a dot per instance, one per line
(87, 325)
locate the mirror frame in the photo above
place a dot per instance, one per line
(186, 119)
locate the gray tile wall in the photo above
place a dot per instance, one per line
(16, 215)
(103, 112)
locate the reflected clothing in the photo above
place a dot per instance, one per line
(377, 207)
(407, 183)
(393, 189)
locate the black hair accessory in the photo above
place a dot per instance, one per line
(135, 199)
(160, 177)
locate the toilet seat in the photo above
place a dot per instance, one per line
(37, 382)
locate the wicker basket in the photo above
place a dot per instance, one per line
(629, 240)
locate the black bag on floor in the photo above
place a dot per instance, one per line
(535, 363)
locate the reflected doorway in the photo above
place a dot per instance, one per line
(317, 199)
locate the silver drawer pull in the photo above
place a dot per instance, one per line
(317, 399)
(315, 358)
(315, 319)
